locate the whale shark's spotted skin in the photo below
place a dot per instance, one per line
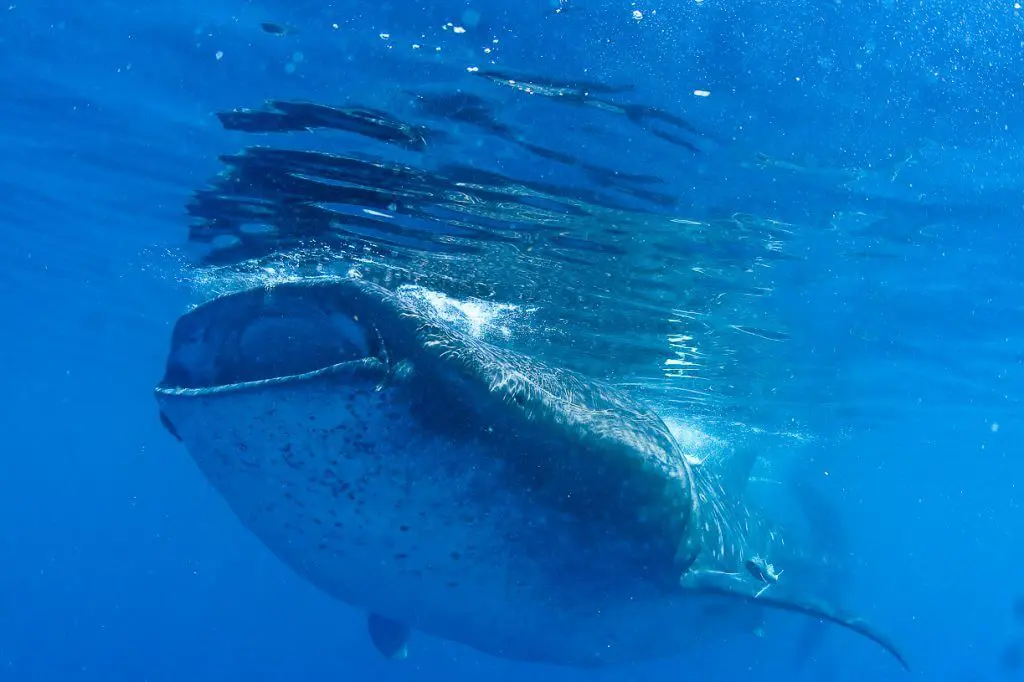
(463, 490)
(417, 528)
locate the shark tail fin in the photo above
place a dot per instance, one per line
(731, 585)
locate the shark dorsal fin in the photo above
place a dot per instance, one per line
(730, 469)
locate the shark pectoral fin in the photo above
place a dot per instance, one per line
(833, 615)
(728, 585)
(391, 637)
(169, 426)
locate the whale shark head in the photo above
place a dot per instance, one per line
(280, 334)
(395, 345)
(447, 485)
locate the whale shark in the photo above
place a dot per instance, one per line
(447, 485)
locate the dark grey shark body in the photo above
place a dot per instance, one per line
(448, 485)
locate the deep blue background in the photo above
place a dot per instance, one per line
(120, 563)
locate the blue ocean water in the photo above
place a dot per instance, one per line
(789, 226)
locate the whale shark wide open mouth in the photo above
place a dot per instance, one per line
(265, 335)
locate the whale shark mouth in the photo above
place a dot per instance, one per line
(270, 335)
